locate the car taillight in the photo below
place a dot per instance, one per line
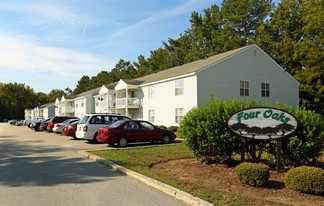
(85, 129)
(107, 132)
(57, 125)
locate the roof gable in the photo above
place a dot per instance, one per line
(187, 68)
(90, 92)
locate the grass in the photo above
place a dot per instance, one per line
(142, 160)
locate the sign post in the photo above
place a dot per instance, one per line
(263, 123)
(279, 146)
(242, 149)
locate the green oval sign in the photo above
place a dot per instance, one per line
(262, 123)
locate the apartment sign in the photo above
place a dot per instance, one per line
(262, 123)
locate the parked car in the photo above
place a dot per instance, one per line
(43, 125)
(58, 127)
(90, 123)
(125, 131)
(70, 129)
(57, 119)
(12, 122)
(19, 123)
(36, 125)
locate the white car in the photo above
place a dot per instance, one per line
(58, 127)
(90, 123)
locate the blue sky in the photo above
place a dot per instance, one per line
(51, 44)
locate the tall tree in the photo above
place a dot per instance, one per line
(124, 70)
(55, 93)
(294, 37)
(83, 85)
(14, 98)
(243, 17)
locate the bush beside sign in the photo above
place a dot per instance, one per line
(262, 123)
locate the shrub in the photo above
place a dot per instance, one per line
(253, 174)
(204, 129)
(305, 179)
(162, 127)
(173, 128)
(306, 145)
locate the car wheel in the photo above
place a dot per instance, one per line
(122, 142)
(94, 140)
(166, 139)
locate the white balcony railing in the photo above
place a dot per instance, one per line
(123, 102)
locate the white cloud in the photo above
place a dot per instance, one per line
(23, 53)
(44, 13)
(187, 6)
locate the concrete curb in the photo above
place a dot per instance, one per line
(167, 189)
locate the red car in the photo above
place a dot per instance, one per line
(70, 129)
(123, 132)
(55, 120)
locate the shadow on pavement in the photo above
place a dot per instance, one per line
(26, 165)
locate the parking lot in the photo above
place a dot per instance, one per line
(41, 168)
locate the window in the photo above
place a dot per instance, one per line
(151, 92)
(145, 125)
(179, 87)
(265, 89)
(244, 88)
(131, 125)
(82, 102)
(151, 116)
(178, 115)
(96, 120)
(134, 94)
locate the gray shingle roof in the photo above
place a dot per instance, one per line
(187, 68)
(111, 86)
(46, 105)
(87, 92)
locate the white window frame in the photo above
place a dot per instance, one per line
(179, 114)
(151, 115)
(265, 89)
(150, 92)
(244, 88)
(179, 87)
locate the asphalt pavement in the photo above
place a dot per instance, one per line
(41, 168)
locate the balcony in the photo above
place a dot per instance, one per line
(68, 109)
(128, 102)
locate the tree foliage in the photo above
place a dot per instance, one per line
(291, 33)
(205, 132)
(14, 98)
(294, 37)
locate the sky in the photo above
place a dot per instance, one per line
(51, 44)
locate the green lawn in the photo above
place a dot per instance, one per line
(141, 160)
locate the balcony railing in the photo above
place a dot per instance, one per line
(68, 109)
(123, 102)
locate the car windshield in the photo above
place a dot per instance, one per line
(84, 119)
(116, 124)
